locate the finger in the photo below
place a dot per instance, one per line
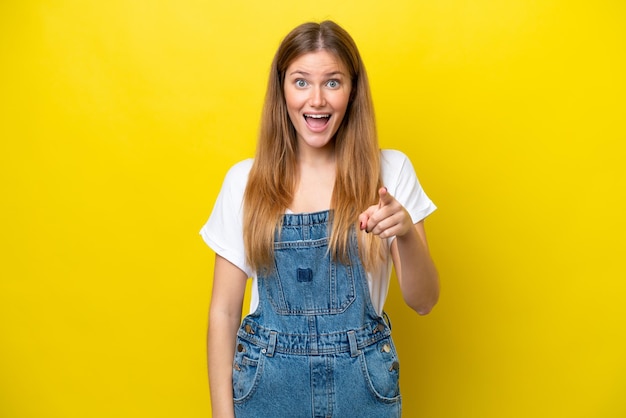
(385, 227)
(385, 197)
(363, 218)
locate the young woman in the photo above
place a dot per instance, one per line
(316, 219)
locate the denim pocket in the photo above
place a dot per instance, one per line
(247, 368)
(381, 370)
(307, 281)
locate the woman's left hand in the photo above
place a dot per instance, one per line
(387, 218)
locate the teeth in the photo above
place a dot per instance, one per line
(316, 116)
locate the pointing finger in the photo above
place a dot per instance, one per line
(385, 197)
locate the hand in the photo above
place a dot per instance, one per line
(387, 218)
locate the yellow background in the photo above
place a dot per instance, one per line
(119, 119)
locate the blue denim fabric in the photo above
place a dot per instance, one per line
(315, 347)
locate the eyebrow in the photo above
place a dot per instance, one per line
(304, 73)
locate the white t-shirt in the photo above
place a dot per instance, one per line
(223, 232)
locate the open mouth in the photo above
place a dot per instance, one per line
(316, 121)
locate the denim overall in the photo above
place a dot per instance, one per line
(314, 347)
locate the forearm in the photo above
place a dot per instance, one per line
(221, 340)
(229, 284)
(416, 271)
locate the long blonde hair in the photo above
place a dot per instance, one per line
(273, 178)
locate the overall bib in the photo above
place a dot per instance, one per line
(314, 347)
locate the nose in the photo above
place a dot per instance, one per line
(317, 98)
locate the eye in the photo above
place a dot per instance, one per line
(301, 83)
(333, 84)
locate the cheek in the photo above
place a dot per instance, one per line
(293, 97)
(293, 109)
(293, 117)
(292, 105)
(341, 107)
(340, 102)
(289, 103)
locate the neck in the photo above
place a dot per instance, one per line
(316, 157)
(315, 182)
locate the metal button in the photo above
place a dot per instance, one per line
(395, 366)
(249, 329)
(379, 328)
(241, 348)
(386, 348)
(236, 367)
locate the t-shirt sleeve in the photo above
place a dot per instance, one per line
(223, 232)
(400, 179)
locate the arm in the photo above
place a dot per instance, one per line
(417, 274)
(229, 285)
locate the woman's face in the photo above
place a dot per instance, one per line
(317, 90)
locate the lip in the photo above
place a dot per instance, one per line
(317, 115)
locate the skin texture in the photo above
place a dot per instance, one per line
(317, 84)
(229, 284)
(417, 274)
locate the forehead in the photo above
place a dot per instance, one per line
(318, 62)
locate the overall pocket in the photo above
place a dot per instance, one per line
(247, 370)
(306, 281)
(381, 370)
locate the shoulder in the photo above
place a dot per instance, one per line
(393, 155)
(234, 184)
(240, 170)
(237, 175)
(393, 163)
